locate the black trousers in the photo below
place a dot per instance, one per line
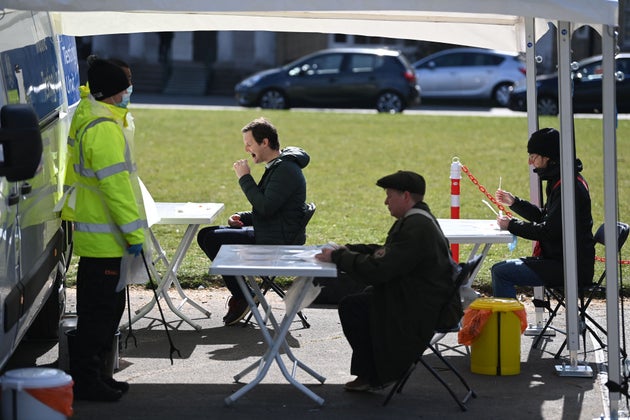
(354, 314)
(210, 240)
(99, 310)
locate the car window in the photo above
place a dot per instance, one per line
(449, 60)
(623, 65)
(477, 59)
(363, 63)
(323, 64)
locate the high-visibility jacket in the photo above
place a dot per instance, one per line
(104, 199)
(85, 107)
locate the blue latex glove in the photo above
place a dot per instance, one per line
(512, 245)
(135, 249)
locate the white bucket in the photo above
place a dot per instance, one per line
(50, 387)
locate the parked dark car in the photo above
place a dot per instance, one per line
(587, 88)
(340, 77)
(470, 73)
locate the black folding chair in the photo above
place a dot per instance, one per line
(586, 294)
(269, 283)
(466, 271)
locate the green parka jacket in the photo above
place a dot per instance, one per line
(279, 200)
(410, 278)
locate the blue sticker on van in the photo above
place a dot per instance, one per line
(70, 65)
(38, 85)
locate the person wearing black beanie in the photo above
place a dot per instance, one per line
(106, 80)
(544, 225)
(104, 204)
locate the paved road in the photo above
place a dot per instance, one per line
(195, 385)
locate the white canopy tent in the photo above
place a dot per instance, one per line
(503, 24)
(490, 23)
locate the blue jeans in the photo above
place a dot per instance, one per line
(510, 273)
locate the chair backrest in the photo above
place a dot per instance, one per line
(467, 269)
(308, 215)
(310, 210)
(622, 234)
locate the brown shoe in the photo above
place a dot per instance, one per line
(237, 310)
(358, 385)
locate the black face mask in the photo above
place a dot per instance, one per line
(551, 171)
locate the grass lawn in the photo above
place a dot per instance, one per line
(186, 155)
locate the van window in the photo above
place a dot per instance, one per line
(38, 85)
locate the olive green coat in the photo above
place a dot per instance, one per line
(410, 277)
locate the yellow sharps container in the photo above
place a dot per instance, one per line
(497, 349)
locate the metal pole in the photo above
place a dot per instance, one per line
(610, 211)
(567, 173)
(532, 125)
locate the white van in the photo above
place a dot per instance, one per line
(39, 80)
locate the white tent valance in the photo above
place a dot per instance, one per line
(489, 23)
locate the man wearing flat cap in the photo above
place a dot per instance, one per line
(408, 281)
(544, 225)
(104, 204)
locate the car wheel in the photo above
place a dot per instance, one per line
(273, 99)
(547, 106)
(501, 94)
(390, 102)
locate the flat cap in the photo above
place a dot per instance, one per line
(403, 181)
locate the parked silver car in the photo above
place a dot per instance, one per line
(470, 73)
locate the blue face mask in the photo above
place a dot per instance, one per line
(125, 99)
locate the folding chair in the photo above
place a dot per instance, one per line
(586, 294)
(268, 282)
(466, 271)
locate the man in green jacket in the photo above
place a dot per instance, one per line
(409, 280)
(278, 204)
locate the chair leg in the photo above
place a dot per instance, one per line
(397, 388)
(552, 314)
(469, 392)
(268, 283)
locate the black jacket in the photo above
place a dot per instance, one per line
(411, 281)
(545, 226)
(279, 200)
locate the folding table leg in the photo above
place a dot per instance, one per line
(274, 343)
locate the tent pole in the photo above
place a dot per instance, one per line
(567, 172)
(534, 180)
(610, 211)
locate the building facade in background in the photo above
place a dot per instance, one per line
(207, 62)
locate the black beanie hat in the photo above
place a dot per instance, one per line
(403, 181)
(545, 142)
(106, 79)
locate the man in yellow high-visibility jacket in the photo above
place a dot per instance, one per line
(105, 206)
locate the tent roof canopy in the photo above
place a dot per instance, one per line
(488, 23)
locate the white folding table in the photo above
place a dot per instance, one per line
(193, 215)
(247, 261)
(477, 232)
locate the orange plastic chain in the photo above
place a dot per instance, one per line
(507, 213)
(602, 259)
(485, 191)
